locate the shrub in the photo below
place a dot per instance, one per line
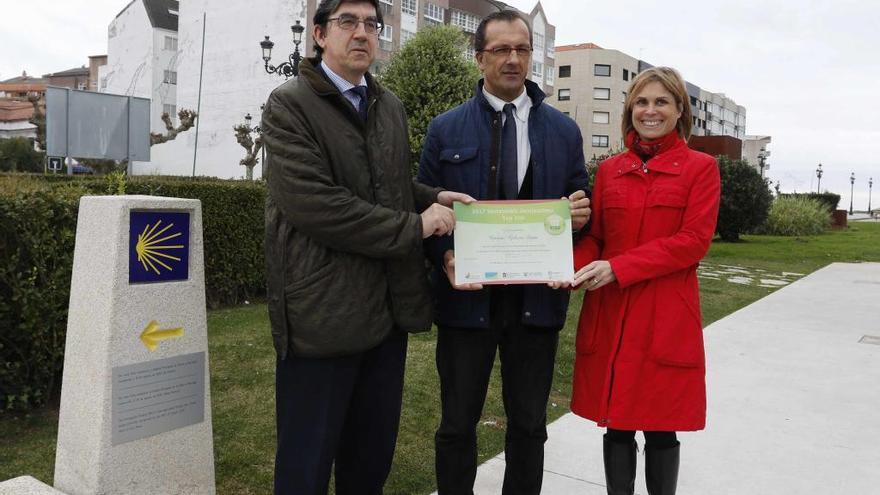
(37, 234)
(430, 75)
(18, 155)
(745, 198)
(828, 199)
(794, 216)
(37, 230)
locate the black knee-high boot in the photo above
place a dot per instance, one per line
(661, 469)
(620, 466)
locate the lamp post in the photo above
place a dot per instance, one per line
(291, 67)
(777, 189)
(256, 129)
(852, 183)
(762, 160)
(870, 184)
(819, 176)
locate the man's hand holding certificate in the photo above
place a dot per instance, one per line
(513, 242)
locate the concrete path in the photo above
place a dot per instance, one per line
(794, 401)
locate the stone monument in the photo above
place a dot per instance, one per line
(135, 413)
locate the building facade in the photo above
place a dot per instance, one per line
(142, 54)
(222, 75)
(76, 78)
(591, 86)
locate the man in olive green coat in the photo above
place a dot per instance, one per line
(346, 271)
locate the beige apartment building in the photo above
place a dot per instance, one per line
(591, 85)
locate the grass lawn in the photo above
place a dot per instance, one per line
(242, 375)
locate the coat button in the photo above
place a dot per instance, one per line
(456, 156)
(676, 164)
(493, 168)
(482, 319)
(527, 314)
(377, 185)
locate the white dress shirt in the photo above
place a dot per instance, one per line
(523, 106)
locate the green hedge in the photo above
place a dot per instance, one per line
(796, 216)
(37, 233)
(828, 199)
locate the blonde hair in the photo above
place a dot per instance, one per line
(672, 82)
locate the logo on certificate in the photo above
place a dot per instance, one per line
(554, 224)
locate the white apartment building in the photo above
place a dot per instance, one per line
(142, 56)
(222, 75)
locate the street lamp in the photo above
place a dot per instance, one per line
(852, 182)
(762, 160)
(819, 175)
(870, 184)
(291, 67)
(259, 131)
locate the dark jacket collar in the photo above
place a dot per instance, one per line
(310, 71)
(532, 90)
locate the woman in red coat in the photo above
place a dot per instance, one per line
(640, 363)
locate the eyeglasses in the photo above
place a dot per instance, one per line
(504, 51)
(349, 22)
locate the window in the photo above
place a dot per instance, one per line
(465, 21)
(406, 36)
(470, 53)
(103, 83)
(434, 13)
(170, 77)
(600, 141)
(538, 45)
(625, 75)
(601, 117)
(602, 70)
(387, 33)
(566, 113)
(537, 71)
(551, 48)
(563, 95)
(171, 43)
(410, 7)
(171, 110)
(386, 6)
(551, 75)
(623, 97)
(601, 93)
(564, 71)
(386, 37)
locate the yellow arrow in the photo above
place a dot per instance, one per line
(152, 335)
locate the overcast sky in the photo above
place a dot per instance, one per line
(807, 71)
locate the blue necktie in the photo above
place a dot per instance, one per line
(362, 104)
(508, 154)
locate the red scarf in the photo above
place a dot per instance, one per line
(647, 149)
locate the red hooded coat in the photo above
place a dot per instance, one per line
(640, 363)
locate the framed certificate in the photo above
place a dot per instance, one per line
(513, 242)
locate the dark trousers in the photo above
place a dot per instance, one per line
(343, 409)
(465, 358)
(653, 439)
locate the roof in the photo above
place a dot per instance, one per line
(14, 110)
(159, 12)
(579, 46)
(78, 71)
(24, 79)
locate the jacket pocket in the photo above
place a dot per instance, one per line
(677, 337)
(664, 210)
(460, 169)
(341, 308)
(458, 155)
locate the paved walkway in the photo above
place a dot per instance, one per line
(794, 401)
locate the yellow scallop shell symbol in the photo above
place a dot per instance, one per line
(150, 247)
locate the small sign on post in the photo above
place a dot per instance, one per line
(55, 163)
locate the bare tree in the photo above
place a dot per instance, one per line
(187, 120)
(251, 145)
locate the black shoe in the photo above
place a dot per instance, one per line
(620, 466)
(661, 469)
